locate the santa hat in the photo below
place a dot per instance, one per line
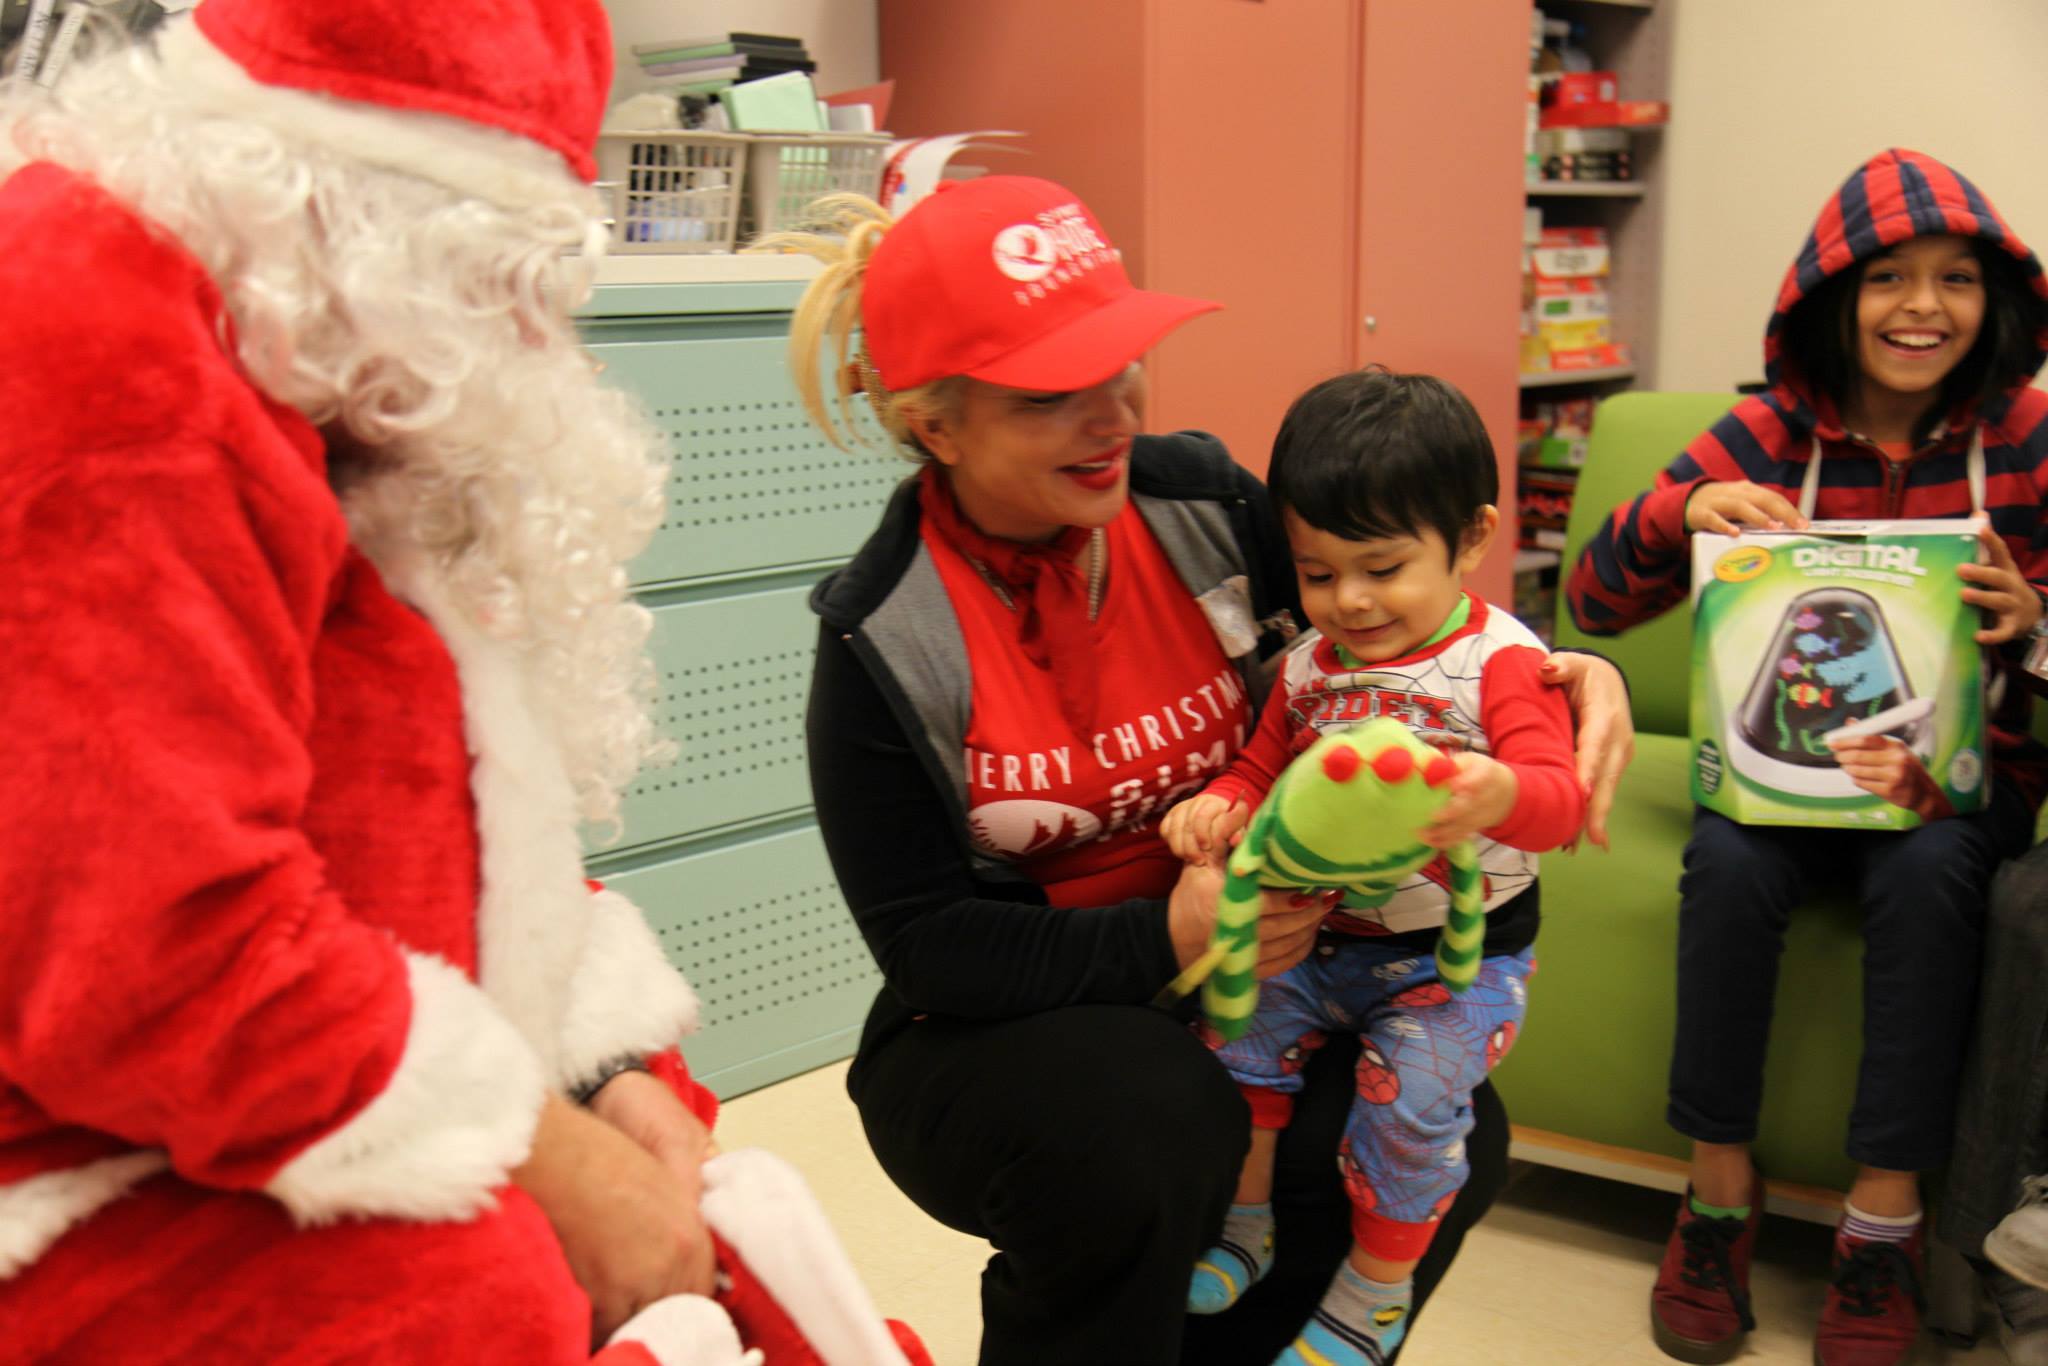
(499, 99)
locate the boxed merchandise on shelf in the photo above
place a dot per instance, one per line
(1553, 433)
(1566, 293)
(1579, 154)
(1543, 503)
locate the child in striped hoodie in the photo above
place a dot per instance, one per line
(1899, 357)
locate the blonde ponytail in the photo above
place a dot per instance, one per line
(846, 230)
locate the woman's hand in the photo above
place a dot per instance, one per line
(644, 1109)
(1728, 507)
(2001, 590)
(1882, 766)
(1483, 793)
(630, 1230)
(1287, 920)
(1199, 830)
(1606, 731)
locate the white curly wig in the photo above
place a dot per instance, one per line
(427, 334)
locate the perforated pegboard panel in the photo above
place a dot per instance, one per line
(753, 486)
(761, 932)
(731, 677)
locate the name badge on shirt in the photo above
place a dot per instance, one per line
(1229, 608)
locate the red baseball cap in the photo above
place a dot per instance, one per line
(1007, 279)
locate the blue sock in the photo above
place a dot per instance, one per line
(1359, 1323)
(1235, 1264)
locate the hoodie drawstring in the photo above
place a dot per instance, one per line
(1809, 490)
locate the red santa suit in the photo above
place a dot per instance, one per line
(294, 936)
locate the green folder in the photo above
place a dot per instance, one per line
(775, 104)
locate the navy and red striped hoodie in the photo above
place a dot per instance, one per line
(1639, 563)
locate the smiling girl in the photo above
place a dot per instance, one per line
(1899, 355)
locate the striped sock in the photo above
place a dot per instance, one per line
(1359, 1323)
(1877, 1228)
(1235, 1264)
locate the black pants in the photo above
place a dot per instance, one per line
(2002, 1113)
(1922, 894)
(1097, 1147)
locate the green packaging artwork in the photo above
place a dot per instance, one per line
(1847, 624)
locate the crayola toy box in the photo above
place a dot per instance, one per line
(1846, 625)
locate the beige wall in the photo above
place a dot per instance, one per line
(839, 33)
(1774, 102)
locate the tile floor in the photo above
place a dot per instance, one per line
(1558, 1275)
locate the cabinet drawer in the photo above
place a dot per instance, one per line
(731, 675)
(761, 932)
(752, 486)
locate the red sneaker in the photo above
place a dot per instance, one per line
(1699, 1308)
(1874, 1305)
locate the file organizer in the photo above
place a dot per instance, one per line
(721, 850)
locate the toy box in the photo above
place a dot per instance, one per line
(1856, 625)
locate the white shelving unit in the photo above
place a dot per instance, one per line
(1587, 189)
(1552, 379)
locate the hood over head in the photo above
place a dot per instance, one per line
(1895, 196)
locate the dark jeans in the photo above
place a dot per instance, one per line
(1097, 1147)
(2002, 1113)
(1922, 894)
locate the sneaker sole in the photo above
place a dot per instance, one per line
(1915, 1354)
(2006, 1259)
(1691, 1349)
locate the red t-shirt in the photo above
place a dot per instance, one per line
(1078, 812)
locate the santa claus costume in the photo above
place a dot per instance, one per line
(314, 650)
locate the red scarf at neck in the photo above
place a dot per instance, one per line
(1047, 588)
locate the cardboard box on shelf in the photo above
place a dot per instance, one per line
(1569, 306)
(1799, 635)
(1543, 504)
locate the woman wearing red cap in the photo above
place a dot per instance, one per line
(1055, 633)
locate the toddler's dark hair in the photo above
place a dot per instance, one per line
(1374, 454)
(1818, 338)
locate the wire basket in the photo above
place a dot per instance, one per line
(786, 171)
(672, 192)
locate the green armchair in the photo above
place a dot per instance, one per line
(1585, 1083)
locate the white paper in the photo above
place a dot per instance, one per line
(913, 167)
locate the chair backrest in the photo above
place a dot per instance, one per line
(1634, 436)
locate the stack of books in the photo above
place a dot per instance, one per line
(705, 66)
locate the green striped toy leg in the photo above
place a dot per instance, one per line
(1232, 992)
(1464, 932)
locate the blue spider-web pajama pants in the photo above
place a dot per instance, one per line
(1423, 1051)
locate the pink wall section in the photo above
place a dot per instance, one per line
(1251, 198)
(1061, 71)
(1440, 212)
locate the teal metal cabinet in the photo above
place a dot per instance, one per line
(720, 849)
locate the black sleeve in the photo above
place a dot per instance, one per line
(942, 943)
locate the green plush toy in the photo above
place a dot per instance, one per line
(1344, 814)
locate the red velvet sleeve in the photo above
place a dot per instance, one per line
(177, 973)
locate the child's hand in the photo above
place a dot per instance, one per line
(1483, 792)
(1882, 766)
(1199, 829)
(2003, 592)
(1728, 507)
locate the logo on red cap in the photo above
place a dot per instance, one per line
(1061, 245)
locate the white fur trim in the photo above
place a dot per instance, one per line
(760, 1205)
(38, 1210)
(580, 975)
(456, 1116)
(625, 997)
(686, 1330)
(474, 159)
